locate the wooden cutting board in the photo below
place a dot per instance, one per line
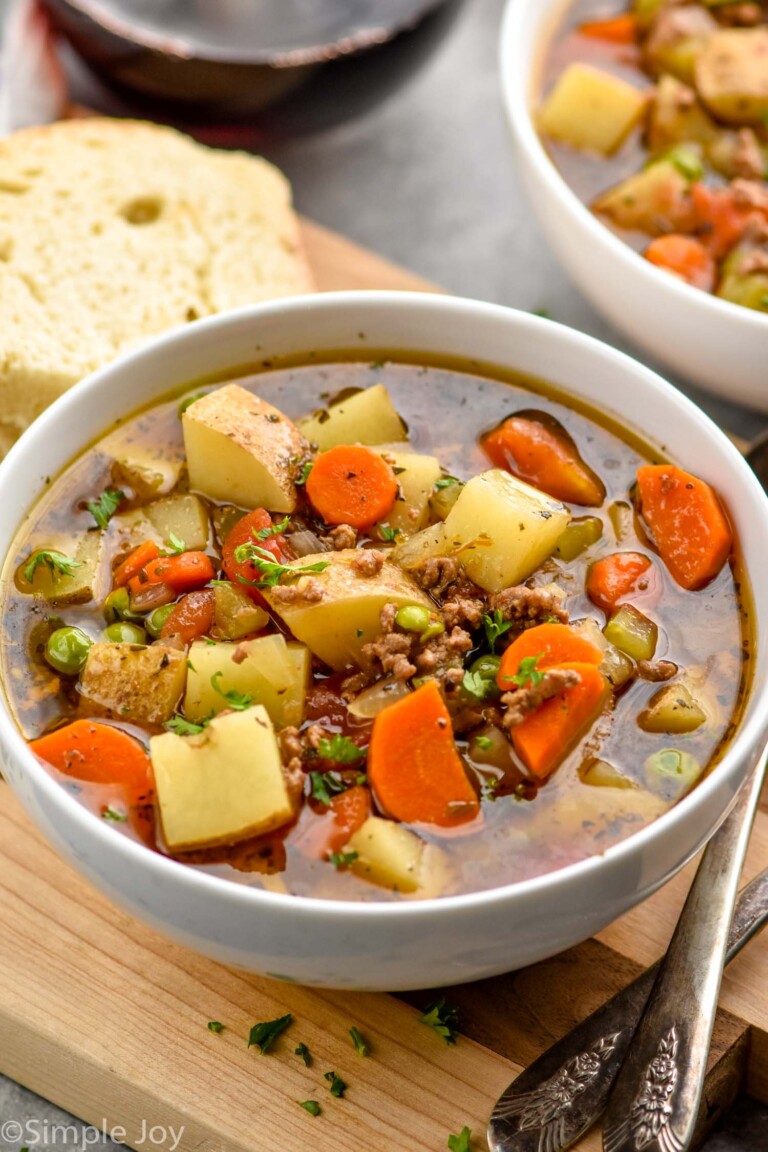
(108, 1020)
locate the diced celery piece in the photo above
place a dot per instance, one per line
(672, 773)
(632, 633)
(236, 615)
(672, 709)
(741, 286)
(621, 515)
(578, 536)
(602, 774)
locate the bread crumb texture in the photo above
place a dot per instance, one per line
(112, 231)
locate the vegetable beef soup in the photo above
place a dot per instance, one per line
(656, 114)
(376, 631)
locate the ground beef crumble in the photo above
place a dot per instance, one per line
(527, 607)
(439, 575)
(309, 591)
(403, 655)
(368, 562)
(656, 671)
(341, 538)
(523, 701)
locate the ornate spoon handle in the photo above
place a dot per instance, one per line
(565, 1091)
(655, 1102)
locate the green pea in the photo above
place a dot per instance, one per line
(435, 628)
(121, 632)
(155, 622)
(414, 618)
(487, 667)
(67, 649)
(117, 606)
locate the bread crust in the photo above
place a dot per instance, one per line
(112, 231)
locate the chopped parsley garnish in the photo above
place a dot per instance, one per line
(270, 570)
(462, 1142)
(442, 1018)
(306, 468)
(215, 1026)
(323, 785)
(273, 530)
(57, 563)
(360, 1045)
(342, 859)
(113, 814)
(484, 742)
(238, 701)
(337, 1085)
(446, 482)
(388, 533)
(265, 1034)
(175, 546)
(478, 686)
(359, 632)
(495, 626)
(543, 313)
(527, 673)
(183, 727)
(105, 507)
(340, 749)
(490, 787)
(310, 1106)
(304, 1052)
(361, 779)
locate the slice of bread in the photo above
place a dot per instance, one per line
(112, 231)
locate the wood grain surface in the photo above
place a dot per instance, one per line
(108, 1020)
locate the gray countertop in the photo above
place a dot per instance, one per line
(429, 181)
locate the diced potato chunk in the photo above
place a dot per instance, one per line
(592, 110)
(676, 41)
(672, 709)
(183, 516)
(367, 417)
(653, 201)
(235, 614)
(413, 551)
(502, 529)
(149, 469)
(416, 478)
(394, 857)
(134, 683)
(223, 785)
(263, 669)
(677, 117)
(732, 74)
(89, 581)
(603, 774)
(241, 449)
(337, 611)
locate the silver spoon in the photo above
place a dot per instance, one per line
(565, 1091)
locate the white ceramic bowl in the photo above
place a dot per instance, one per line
(715, 344)
(387, 946)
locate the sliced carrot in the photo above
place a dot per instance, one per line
(414, 768)
(246, 531)
(685, 257)
(618, 30)
(134, 563)
(687, 522)
(98, 753)
(721, 219)
(546, 736)
(181, 573)
(550, 645)
(536, 448)
(192, 617)
(330, 830)
(617, 577)
(350, 484)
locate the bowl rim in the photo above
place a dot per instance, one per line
(181, 48)
(751, 736)
(518, 73)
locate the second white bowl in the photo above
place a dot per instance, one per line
(715, 344)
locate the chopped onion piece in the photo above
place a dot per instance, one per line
(379, 696)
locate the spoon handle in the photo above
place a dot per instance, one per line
(564, 1092)
(655, 1102)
